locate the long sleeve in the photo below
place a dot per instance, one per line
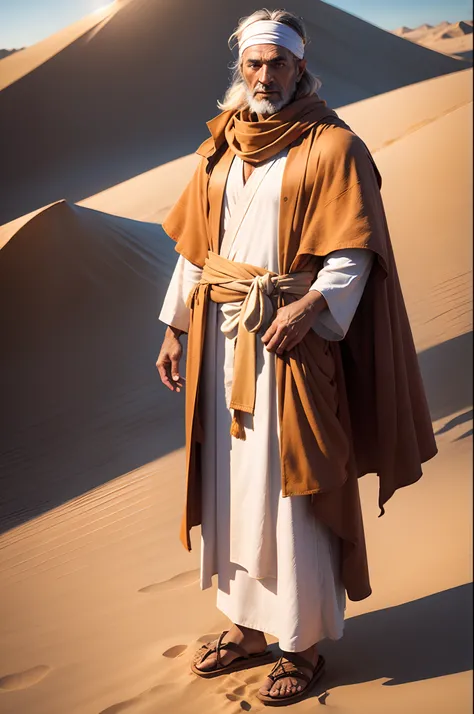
(341, 281)
(174, 311)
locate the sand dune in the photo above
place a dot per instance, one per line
(453, 39)
(18, 65)
(7, 53)
(460, 47)
(401, 30)
(442, 30)
(100, 609)
(79, 292)
(457, 29)
(419, 31)
(105, 102)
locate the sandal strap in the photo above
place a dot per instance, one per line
(231, 646)
(288, 668)
(209, 649)
(300, 661)
(220, 645)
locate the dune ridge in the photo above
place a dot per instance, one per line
(450, 38)
(5, 53)
(17, 65)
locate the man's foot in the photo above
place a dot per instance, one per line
(293, 684)
(252, 641)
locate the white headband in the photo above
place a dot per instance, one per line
(268, 32)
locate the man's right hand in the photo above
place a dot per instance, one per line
(167, 363)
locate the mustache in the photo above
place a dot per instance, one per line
(266, 88)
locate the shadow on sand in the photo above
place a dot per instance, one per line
(422, 639)
(82, 402)
(447, 375)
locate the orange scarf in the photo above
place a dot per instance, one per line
(257, 141)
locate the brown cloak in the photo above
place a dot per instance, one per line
(348, 408)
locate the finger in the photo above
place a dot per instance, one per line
(177, 384)
(164, 376)
(283, 345)
(164, 368)
(290, 342)
(274, 343)
(175, 376)
(269, 333)
(272, 346)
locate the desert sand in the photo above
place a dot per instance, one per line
(450, 38)
(100, 607)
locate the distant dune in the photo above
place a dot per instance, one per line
(401, 30)
(455, 39)
(7, 53)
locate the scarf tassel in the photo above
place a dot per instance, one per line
(237, 428)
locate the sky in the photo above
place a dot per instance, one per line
(24, 22)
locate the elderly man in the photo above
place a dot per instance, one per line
(283, 246)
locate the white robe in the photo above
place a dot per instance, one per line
(277, 566)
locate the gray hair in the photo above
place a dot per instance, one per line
(236, 96)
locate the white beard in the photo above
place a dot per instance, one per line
(266, 106)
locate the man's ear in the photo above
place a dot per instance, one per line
(301, 68)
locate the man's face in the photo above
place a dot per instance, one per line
(270, 73)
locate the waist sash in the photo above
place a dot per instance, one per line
(257, 291)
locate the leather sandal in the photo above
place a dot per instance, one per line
(243, 661)
(284, 668)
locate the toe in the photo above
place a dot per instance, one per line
(277, 689)
(266, 687)
(209, 663)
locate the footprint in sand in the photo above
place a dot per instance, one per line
(239, 691)
(123, 707)
(236, 696)
(23, 680)
(178, 581)
(136, 703)
(226, 685)
(175, 651)
(254, 678)
(205, 639)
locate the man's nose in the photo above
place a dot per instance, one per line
(265, 75)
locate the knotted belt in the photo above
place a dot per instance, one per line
(257, 290)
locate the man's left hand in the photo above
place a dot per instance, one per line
(292, 322)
